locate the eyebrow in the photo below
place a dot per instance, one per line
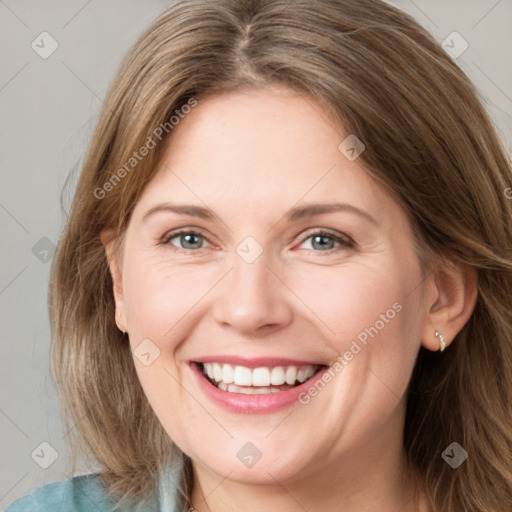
(293, 215)
(300, 212)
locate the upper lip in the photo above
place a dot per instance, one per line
(255, 362)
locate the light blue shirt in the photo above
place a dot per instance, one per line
(86, 493)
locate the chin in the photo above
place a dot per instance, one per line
(264, 471)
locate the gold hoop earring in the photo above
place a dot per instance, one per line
(442, 344)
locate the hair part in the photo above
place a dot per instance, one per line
(429, 142)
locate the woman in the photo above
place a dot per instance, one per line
(286, 279)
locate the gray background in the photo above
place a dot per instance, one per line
(48, 108)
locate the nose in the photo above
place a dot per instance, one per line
(253, 298)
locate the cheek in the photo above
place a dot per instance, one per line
(350, 299)
(158, 296)
(370, 319)
(369, 315)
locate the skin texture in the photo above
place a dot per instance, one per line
(250, 156)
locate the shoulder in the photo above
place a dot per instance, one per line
(78, 494)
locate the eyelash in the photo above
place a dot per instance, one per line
(344, 241)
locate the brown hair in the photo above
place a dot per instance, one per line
(428, 140)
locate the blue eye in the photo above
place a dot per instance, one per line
(321, 241)
(189, 238)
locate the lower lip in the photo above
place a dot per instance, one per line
(252, 404)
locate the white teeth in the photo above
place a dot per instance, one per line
(277, 376)
(305, 373)
(217, 372)
(261, 377)
(290, 375)
(229, 377)
(233, 388)
(242, 376)
(228, 373)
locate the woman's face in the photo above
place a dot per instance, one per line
(251, 291)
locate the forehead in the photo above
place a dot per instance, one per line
(253, 150)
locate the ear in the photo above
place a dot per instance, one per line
(451, 297)
(108, 241)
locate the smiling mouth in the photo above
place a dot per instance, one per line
(257, 381)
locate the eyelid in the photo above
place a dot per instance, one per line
(182, 231)
(341, 237)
